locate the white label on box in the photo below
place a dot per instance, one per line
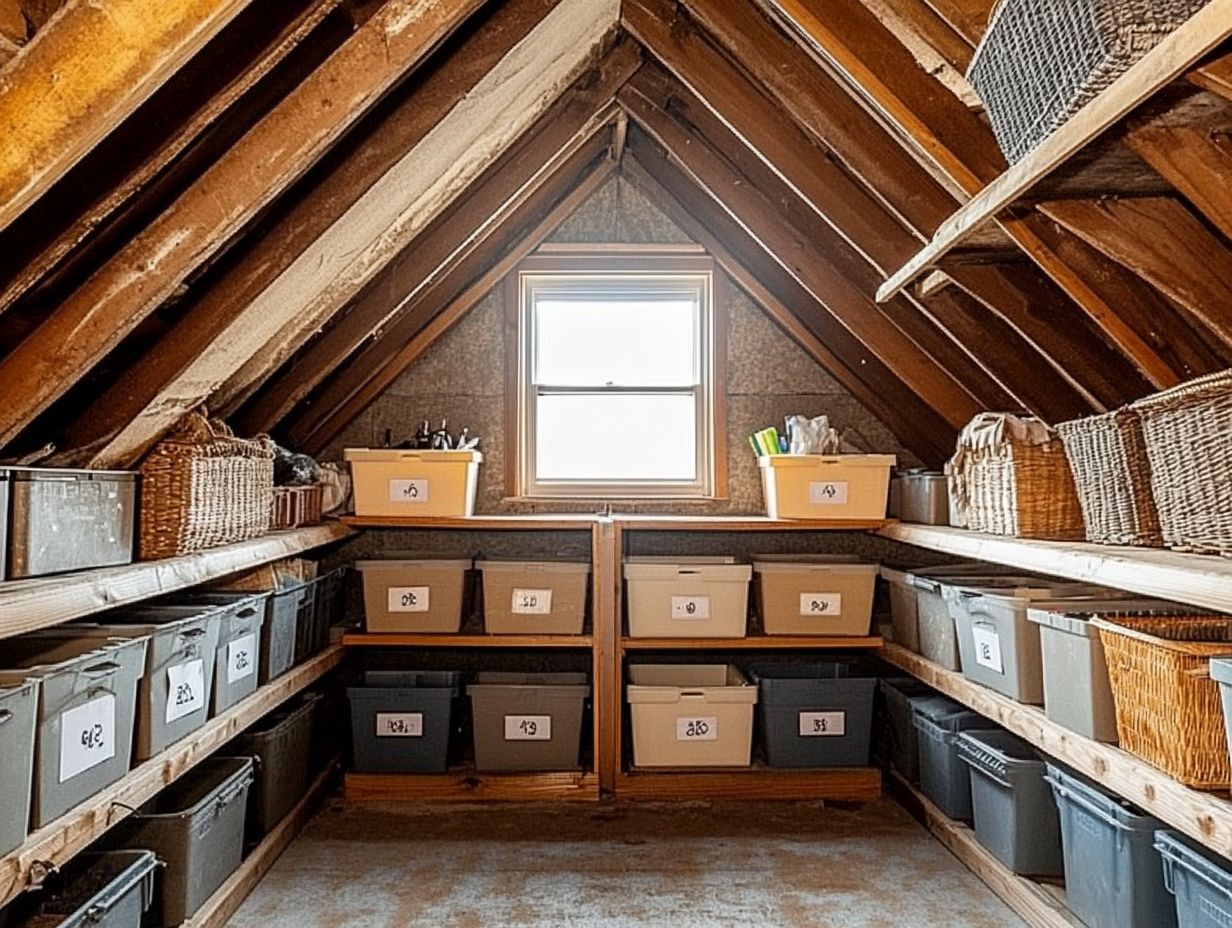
(987, 648)
(823, 724)
(531, 602)
(828, 493)
(690, 607)
(821, 603)
(185, 689)
(399, 724)
(408, 491)
(409, 598)
(241, 658)
(87, 736)
(528, 728)
(703, 729)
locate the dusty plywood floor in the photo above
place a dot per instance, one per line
(698, 865)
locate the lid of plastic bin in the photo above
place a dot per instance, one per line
(851, 669)
(415, 564)
(917, 474)
(1025, 588)
(667, 684)
(410, 679)
(540, 684)
(813, 564)
(533, 567)
(943, 711)
(394, 455)
(999, 753)
(67, 474)
(1221, 669)
(51, 651)
(1074, 617)
(1177, 850)
(709, 569)
(823, 460)
(1111, 808)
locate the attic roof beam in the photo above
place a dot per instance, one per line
(969, 18)
(82, 75)
(1195, 161)
(12, 30)
(1215, 76)
(847, 39)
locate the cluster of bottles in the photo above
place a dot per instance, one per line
(430, 439)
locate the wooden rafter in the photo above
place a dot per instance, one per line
(1197, 162)
(967, 17)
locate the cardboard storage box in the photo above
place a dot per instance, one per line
(826, 487)
(801, 595)
(534, 597)
(687, 597)
(413, 595)
(396, 482)
(691, 715)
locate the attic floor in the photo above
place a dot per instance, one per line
(696, 865)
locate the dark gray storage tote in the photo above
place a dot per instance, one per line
(280, 744)
(308, 622)
(18, 711)
(241, 625)
(1201, 884)
(112, 889)
(281, 630)
(1015, 814)
(901, 695)
(401, 720)
(196, 827)
(816, 714)
(87, 705)
(944, 778)
(1113, 876)
(528, 721)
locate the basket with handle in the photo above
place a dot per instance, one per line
(202, 487)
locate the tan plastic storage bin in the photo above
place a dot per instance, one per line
(691, 715)
(687, 597)
(815, 595)
(413, 595)
(534, 597)
(395, 482)
(818, 486)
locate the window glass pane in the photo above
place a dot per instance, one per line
(616, 437)
(621, 343)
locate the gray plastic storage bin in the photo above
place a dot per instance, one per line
(281, 630)
(528, 721)
(925, 498)
(1113, 876)
(240, 632)
(401, 720)
(902, 695)
(280, 744)
(1201, 884)
(308, 624)
(815, 715)
(330, 603)
(87, 706)
(1015, 814)
(904, 610)
(112, 889)
(943, 776)
(18, 712)
(196, 827)
(938, 636)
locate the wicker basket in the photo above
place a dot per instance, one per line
(1041, 61)
(203, 487)
(1107, 456)
(1188, 435)
(1168, 708)
(1012, 477)
(295, 506)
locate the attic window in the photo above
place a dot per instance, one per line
(616, 380)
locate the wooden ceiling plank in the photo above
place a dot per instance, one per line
(1161, 241)
(937, 47)
(969, 18)
(82, 75)
(1197, 162)
(1215, 76)
(251, 175)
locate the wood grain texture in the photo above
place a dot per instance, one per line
(1197, 162)
(968, 17)
(753, 643)
(841, 784)
(472, 786)
(399, 640)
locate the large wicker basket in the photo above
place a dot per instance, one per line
(1012, 477)
(1188, 436)
(203, 487)
(1107, 456)
(1041, 61)
(1168, 709)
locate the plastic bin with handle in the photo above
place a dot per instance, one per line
(240, 633)
(815, 714)
(829, 595)
(943, 776)
(280, 744)
(1200, 883)
(413, 483)
(528, 721)
(18, 716)
(402, 720)
(534, 597)
(414, 595)
(108, 889)
(938, 636)
(835, 487)
(691, 715)
(687, 597)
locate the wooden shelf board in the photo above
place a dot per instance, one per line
(636, 523)
(28, 605)
(395, 640)
(517, 523)
(841, 784)
(1039, 905)
(1198, 579)
(751, 643)
(59, 841)
(472, 786)
(1205, 817)
(231, 895)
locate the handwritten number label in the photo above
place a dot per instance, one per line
(697, 729)
(988, 648)
(185, 689)
(828, 493)
(528, 728)
(688, 608)
(87, 736)
(241, 658)
(823, 724)
(819, 604)
(408, 491)
(532, 602)
(409, 598)
(399, 724)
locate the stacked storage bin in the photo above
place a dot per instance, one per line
(943, 776)
(414, 595)
(687, 597)
(18, 714)
(241, 618)
(111, 889)
(902, 695)
(815, 715)
(829, 595)
(534, 597)
(528, 721)
(401, 721)
(691, 715)
(280, 744)
(1201, 884)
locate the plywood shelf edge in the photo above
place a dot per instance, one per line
(472, 786)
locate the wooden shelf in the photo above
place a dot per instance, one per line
(751, 643)
(494, 523)
(1162, 65)
(1198, 579)
(28, 605)
(56, 843)
(636, 523)
(840, 784)
(391, 640)
(472, 786)
(1205, 817)
(1039, 905)
(231, 895)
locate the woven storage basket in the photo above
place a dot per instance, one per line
(294, 506)
(1188, 435)
(1168, 709)
(1041, 61)
(1012, 477)
(1107, 456)
(203, 487)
